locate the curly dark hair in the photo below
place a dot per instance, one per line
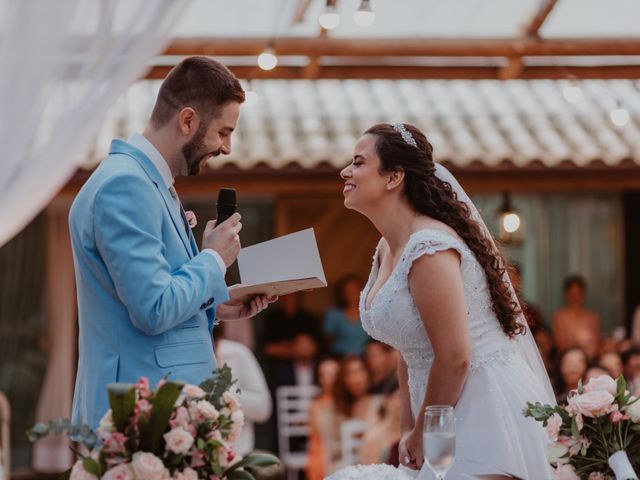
(430, 196)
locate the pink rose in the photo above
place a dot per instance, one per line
(617, 417)
(79, 473)
(594, 403)
(553, 426)
(116, 443)
(186, 474)
(146, 466)
(566, 472)
(237, 419)
(142, 407)
(191, 218)
(206, 410)
(192, 391)
(142, 386)
(178, 440)
(180, 418)
(603, 382)
(231, 400)
(120, 472)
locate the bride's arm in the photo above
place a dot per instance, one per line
(437, 290)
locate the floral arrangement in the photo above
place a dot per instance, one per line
(177, 431)
(596, 436)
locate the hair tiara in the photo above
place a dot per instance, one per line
(404, 133)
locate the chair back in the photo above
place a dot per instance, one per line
(5, 446)
(351, 434)
(292, 406)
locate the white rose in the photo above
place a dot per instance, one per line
(178, 440)
(556, 452)
(190, 474)
(231, 400)
(237, 418)
(192, 391)
(79, 473)
(106, 422)
(553, 426)
(603, 382)
(121, 472)
(146, 466)
(633, 410)
(207, 410)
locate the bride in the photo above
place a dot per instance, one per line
(438, 292)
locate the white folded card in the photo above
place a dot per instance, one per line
(283, 265)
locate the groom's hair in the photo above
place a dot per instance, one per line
(201, 83)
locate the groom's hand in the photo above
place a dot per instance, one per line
(236, 309)
(224, 238)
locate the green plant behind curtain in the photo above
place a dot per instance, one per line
(566, 234)
(23, 330)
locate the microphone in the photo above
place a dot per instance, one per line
(226, 204)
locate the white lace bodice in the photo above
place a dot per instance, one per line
(394, 319)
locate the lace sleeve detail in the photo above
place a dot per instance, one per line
(429, 242)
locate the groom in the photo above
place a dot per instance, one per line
(147, 297)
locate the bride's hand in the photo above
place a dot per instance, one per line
(410, 449)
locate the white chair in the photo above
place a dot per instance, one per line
(292, 404)
(351, 434)
(5, 447)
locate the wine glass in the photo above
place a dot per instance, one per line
(439, 439)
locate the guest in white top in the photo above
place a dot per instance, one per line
(254, 395)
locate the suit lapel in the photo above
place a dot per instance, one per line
(122, 147)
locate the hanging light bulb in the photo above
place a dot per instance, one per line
(509, 222)
(364, 16)
(572, 93)
(329, 19)
(619, 116)
(267, 60)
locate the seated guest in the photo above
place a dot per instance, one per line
(574, 325)
(572, 366)
(351, 401)
(547, 349)
(300, 369)
(320, 414)
(342, 323)
(612, 363)
(254, 394)
(382, 361)
(380, 441)
(631, 365)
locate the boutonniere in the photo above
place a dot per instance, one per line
(191, 218)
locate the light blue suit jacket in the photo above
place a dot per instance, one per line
(146, 296)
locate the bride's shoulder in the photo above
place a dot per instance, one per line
(426, 227)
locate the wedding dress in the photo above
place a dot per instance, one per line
(492, 435)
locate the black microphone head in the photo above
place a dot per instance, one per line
(226, 204)
(227, 197)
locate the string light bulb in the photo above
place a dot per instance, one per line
(267, 60)
(510, 223)
(572, 93)
(364, 16)
(619, 116)
(329, 19)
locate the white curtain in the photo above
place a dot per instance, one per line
(62, 64)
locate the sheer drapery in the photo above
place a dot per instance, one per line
(63, 64)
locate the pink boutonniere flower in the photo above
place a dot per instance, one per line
(191, 218)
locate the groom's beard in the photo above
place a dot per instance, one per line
(194, 151)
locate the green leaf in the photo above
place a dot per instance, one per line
(91, 466)
(580, 387)
(574, 428)
(162, 403)
(621, 387)
(254, 460)
(239, 475)
(122, 399)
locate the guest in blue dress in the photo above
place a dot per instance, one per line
(342, 322)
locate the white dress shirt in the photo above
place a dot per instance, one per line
(254, 395)
(145, 146)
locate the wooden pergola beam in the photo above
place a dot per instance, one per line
(317, 71)
(393, 47)
(534, 26)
